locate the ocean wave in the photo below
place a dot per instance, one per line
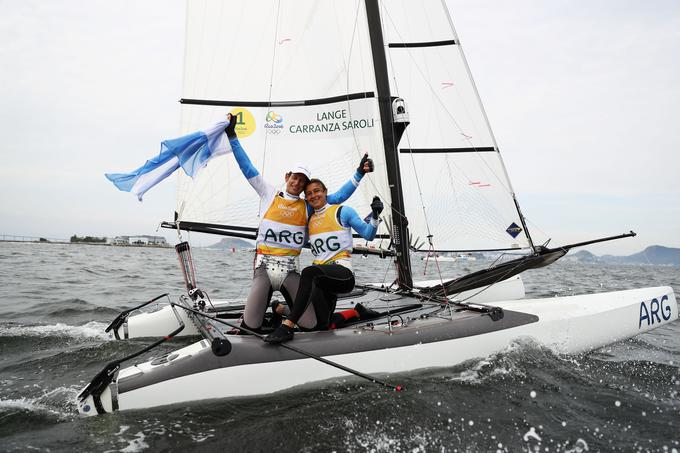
(26, 405)
(91, 330)
(64, 309)
(514, 361)
(58, 403)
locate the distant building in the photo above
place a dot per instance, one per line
(140, 240)
(156, 240)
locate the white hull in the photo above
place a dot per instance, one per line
(160, 322)
(566, 325)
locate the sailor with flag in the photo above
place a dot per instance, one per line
(191, 152)
(282, 232)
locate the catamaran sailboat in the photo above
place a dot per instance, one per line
(324, 83)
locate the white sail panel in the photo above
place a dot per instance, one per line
(406, 21)
(299, 74)
(329, 138)
(458, 201)
(443, 105)
(448, 151)
(286, 50)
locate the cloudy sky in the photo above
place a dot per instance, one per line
(583, 96)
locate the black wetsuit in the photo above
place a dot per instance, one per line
(320, 285)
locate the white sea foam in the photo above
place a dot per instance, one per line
(481, 370)
(201, 437)
(135, 444)
(92, 329)
(29, 405)
(123, 428)
(502, 363)
(531, 434)
(579, 447)
(44, 403)
(20, 403)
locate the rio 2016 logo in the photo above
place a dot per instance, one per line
(245, 122)
(273, 117)
(273, 123)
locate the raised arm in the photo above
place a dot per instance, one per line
(347, 189)
(349, 217)
(253, 176)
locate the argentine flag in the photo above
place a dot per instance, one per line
(191, 152)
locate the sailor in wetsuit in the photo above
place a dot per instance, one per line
(282, 229)
(330, 238)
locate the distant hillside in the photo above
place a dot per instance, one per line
(583, 256)
(231, 243)
(654, 254)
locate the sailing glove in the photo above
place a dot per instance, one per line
(364, 161)
(377, 207)
(231, 127)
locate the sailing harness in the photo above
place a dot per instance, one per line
(278, 267)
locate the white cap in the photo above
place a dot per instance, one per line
(299, 167)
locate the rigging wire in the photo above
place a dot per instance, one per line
(498, 280)
(347, 71)
(390, 263)
(420, 191)
(271, 88)
(357, 147)
(399, 190)
(349, 105)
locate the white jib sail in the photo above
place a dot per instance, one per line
(455, 185)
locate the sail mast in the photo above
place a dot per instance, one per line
(400, 234)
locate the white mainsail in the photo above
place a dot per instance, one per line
(288, 69)
(300, 75)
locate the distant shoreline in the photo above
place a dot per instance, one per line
(155, 246)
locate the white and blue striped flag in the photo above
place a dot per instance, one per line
(191, 152)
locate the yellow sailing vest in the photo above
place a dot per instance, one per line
(282, 229)
(328, 239)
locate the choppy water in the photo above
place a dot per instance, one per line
(56, 301)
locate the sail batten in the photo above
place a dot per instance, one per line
(483, 149)
(301, 102)
(402, 45)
